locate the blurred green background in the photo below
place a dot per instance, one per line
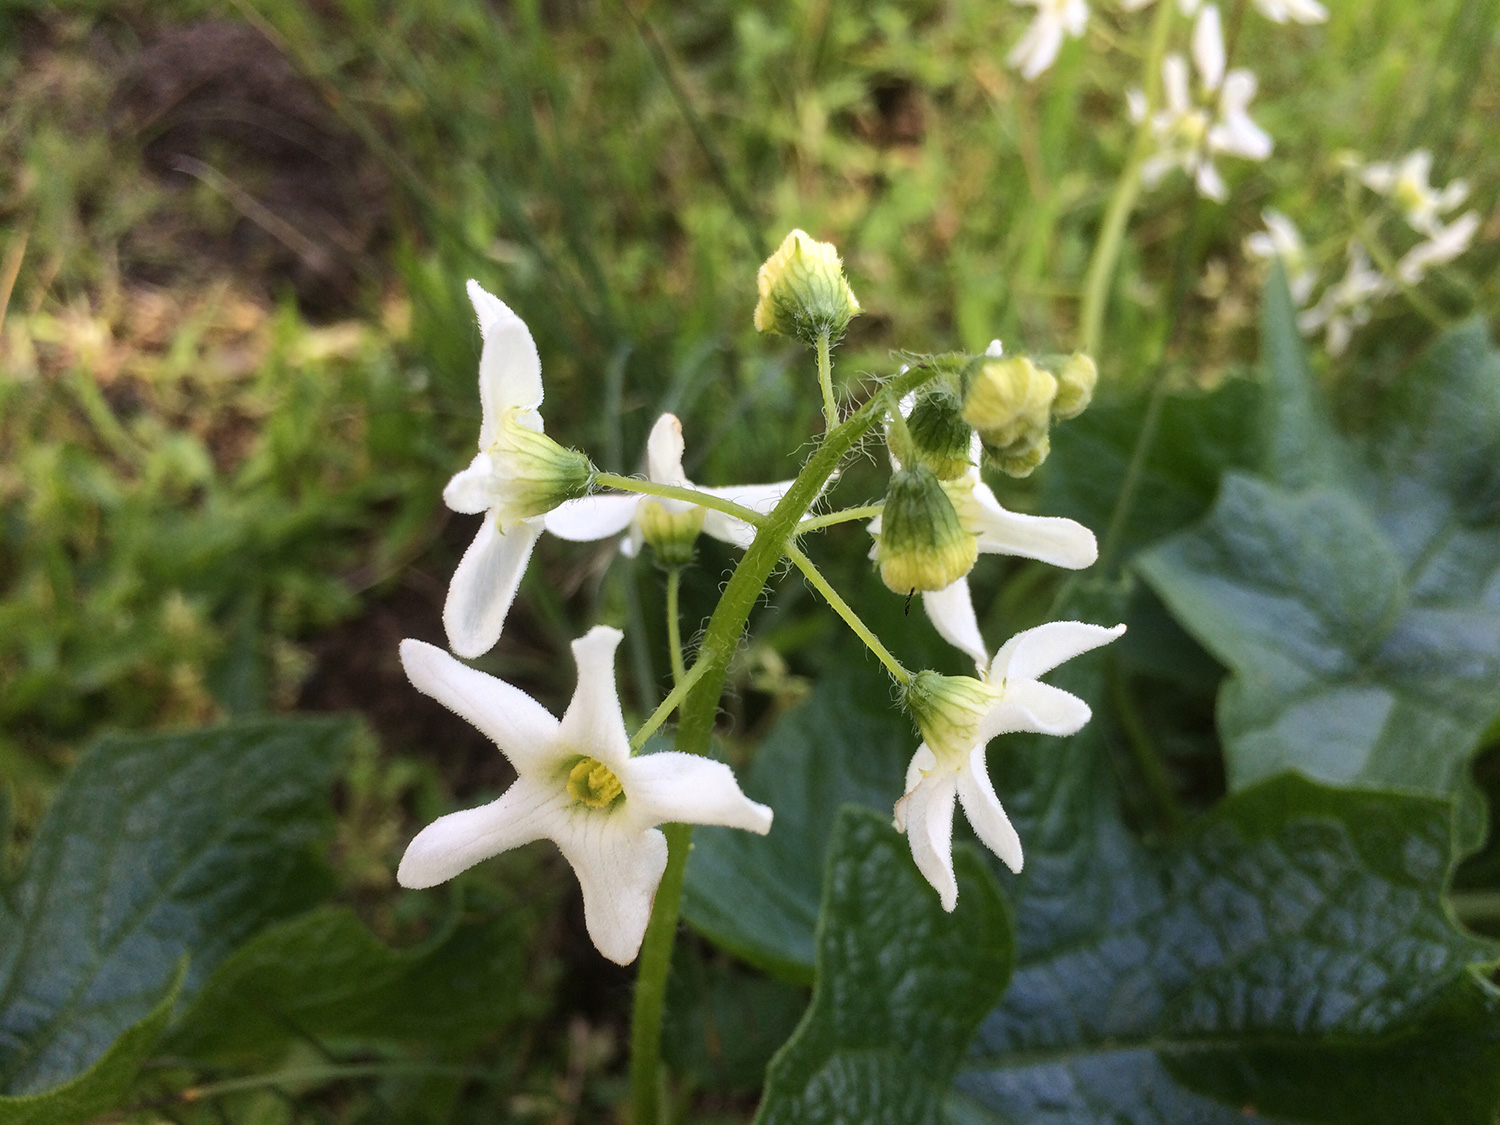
(238, 365)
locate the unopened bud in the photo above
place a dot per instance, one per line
(948, 711)
(940, 436)
(1009, 400)
(1076, 378)
(922, 544)
(1021, 457)
(538, 473)
(671, 527)
(803, 292)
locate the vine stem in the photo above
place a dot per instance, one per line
(829, 519)
(1127, 190)
(674, 492)
(700, 707)
(841, 607)
(665, 707)
(825, 380)
(674, 626)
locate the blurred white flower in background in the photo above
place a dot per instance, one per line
(1406, 183)
(1279, 11)
(1446, 243)
(1345, 305)
(1282, 241)
(1037, 49)
(1190, 132)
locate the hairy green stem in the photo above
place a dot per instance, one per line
(673, 492)
(674, 627)
(696, 720)
(841, 607)
(1101, 269)
(825, 380)
(847, 515)
(684, 684)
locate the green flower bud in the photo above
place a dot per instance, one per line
(922, 544)
(538, 473)
(1076, 379)
(948, 711)
(1009, 400)
(671, 527)
(803, 292)
(1020, 457)
(940, 436)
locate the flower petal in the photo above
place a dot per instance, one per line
(985, 813)
(1029, 654)
(929, 831)
(485, 584)
(1049, 539)
(522, 728)
(593, 723)
(592, 517)
(453, 843)
(1208, 46)
(471, 491)
(1035, 708)
(618, 869)
(510, 371)
(664, 449)
(951, 611)
(685, 789)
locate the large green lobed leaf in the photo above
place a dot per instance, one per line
(155, 847)
(1353, 587)
(901, 985)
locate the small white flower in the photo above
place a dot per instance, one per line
(1406, 184)
(1190, 132)
(597, 517)
(577, 785)
(963, 716)
(1446, 243)
(1037, 49)
(512, 479)
(1345, 305)
(1281, 240)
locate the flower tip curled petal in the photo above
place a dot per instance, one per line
(484, 585)
(664, 449)
(510, 370)
(470, 490)
(618, 871)
(951, 611)
(929, 832)
(986, 815)
(1035, 652)
(456, 842)
(593, 718)
(1054, 540)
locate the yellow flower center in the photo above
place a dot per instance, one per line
(594, 783)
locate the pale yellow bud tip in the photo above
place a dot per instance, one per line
(803, 291)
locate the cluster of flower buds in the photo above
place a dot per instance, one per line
(993, 408)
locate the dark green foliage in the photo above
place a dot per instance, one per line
(155, 848)
(900, 986)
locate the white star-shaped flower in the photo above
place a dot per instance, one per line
(1406, 183)
(1345, 305)
(1281, 240)
(515, 477)
(1038, 47)
(577, 785)
(600, 516)
(1191, 132)
(959, 718)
